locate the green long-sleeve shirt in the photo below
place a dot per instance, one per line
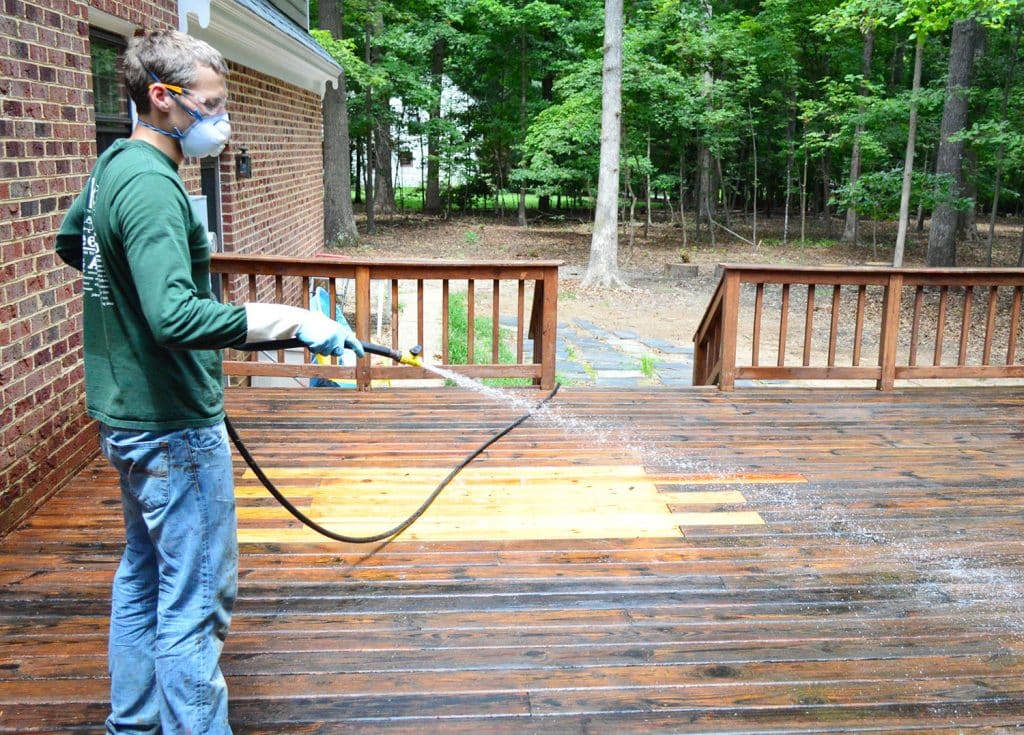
(152, 330)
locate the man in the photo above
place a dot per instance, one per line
(153, 380)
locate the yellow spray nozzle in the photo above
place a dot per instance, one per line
(412, 357)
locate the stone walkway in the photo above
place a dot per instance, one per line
(589, 354)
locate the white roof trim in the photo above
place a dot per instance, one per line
(245, 38)
(111, 23)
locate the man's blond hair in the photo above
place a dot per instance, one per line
(173, 57)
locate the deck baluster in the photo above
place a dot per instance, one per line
(833, 332)
(809, 324)
(940, 325)
(915, 326)
(420, 331)
(1011, 346)
(755, 350)
(990, 324)
(470, 320)
(520, 312)
(783, 321)
(445, 322)
(965, 326)
(858, 330)
(495, 314)
(394, 314)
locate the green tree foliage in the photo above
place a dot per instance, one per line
(773, 91)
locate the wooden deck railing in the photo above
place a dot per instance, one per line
(533, 285)
(860, 323)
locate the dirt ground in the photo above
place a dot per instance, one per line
(654, 305)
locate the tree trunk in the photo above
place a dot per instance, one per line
(1001, 155)
(790, 135)
(385, 193)
(521, 214)
(908, 160)
(719, 183)
(896, 66)
(632, 208)
(705, 202)
(753, 143)
(371, 155)
(432, 200)
(603, 268)
(647, 187)
(967, 35)
(698, 194)
(339, 222)
(547, 93)
(803, 202)
(358, 196)
(826, 190)
(850, 230)
(682, 198)
(919, 227)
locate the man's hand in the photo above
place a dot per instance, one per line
(324, 336)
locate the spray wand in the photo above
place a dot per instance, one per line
(412, 357)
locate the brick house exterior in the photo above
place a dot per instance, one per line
(58, 103)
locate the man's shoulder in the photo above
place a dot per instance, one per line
(135, 168)
(136, 157)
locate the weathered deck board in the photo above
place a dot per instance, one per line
(874, 584)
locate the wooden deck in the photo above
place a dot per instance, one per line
(659, 561)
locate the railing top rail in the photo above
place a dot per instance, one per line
(871, 270)
(322, 261)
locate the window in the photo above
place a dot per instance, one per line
(405, 157)
(110, 97)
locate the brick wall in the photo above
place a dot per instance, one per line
(279, 211)
(47, 135)
(48, 140)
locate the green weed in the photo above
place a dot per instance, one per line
(458, 341)
(647, 365)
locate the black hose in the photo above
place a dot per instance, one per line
(310, 523)
(284, 344)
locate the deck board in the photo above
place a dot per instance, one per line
(656, 561)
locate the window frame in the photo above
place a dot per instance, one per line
(109, 127)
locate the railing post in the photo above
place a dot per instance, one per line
(890, 331)
(699, 362)
(730, 318)
(363, 370)
(545, 316)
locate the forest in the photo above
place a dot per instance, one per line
(853, 112)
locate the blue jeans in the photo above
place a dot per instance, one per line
(175, 587)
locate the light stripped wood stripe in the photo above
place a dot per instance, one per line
(497, 503)
(712, 497)
(719, 518)
(488, 503)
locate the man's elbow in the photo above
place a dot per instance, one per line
(172, 331)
